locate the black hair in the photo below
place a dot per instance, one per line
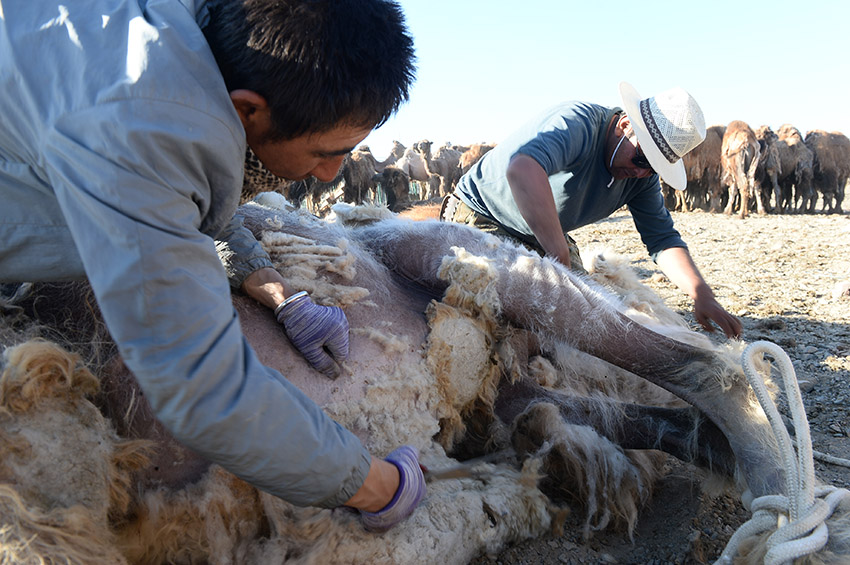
(318, 63)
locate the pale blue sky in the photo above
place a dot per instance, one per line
(486, 66)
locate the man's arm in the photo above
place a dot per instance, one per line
(164, 296)
(533, 196)
(677, 264)
(266, 286)
(655, 225)
(320, 333)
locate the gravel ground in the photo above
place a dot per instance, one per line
(782, 276)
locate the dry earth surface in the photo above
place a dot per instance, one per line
(779, 275)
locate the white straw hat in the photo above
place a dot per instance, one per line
(667, 125)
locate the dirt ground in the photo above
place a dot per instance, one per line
(780, 275)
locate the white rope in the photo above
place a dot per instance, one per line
(798, 517)
(827, 458)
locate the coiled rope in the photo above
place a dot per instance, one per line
(798, 518)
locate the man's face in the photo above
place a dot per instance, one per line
(313, 154)
(624, 166)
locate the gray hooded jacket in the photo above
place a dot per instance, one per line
(121, 159)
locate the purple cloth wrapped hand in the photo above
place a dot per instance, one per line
(411, 490)
(320, 333)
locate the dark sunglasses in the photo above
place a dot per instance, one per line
(640, 160)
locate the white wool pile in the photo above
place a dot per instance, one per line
(302, 259)
(274, 201)
(400, 407)
(467, 351)
(459, 354)
(351, 215)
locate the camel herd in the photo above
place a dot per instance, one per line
(735, 170)
(408, 174)
(738, 169)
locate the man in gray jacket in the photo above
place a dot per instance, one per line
(125, 127)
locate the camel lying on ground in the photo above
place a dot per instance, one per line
(461, 344)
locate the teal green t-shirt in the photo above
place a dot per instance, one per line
(568, 141)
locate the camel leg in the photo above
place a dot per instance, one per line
(744, 186)
(730, 204)
(681, 432)
(777, 194)
(752, 188)
(760, 200)
(715, 201)
(559, 306)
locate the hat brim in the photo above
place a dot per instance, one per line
(672, 174)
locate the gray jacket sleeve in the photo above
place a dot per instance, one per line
(136, 220)
(240, 252)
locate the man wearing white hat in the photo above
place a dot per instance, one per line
(576, 164)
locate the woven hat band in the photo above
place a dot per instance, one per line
(655, 132)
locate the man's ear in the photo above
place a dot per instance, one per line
(252, 108)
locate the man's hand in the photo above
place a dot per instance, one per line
(677, 264)
(411, 490)
(563, 259)
(320, 333)
(707, 310)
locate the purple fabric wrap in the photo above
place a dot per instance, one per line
(411, 490)
(320, 333)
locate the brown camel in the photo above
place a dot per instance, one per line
(739, 156)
